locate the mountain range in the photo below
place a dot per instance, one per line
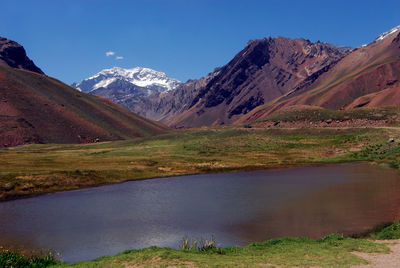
(275, 73)
(268, 75)
(264, 70)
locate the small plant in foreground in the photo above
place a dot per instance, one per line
(188, 244)
(207, 245)
(202, 244)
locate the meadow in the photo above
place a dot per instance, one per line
(45, 168)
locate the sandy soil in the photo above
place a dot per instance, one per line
(391, 260)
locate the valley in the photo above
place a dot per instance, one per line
(287, 138)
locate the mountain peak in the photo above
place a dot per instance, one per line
(388, 33)
(14, 55)
(127, 87)
(138, 76)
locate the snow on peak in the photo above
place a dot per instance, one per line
(139, 76)
(388, 33)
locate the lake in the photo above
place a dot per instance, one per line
(236, 208)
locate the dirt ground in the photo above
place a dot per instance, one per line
(391, 260)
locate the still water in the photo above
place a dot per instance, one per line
(237, 208)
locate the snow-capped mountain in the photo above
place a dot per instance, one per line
(127, 87)
(140, 77)
(388, 33)
(383, 36)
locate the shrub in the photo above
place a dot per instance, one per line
(202, 244)
(390, 232)
(10, 259)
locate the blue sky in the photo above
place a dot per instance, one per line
(183, 38)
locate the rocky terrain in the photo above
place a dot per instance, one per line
(13, 54)
(167, 106)
(367, 77)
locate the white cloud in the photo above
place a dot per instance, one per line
(110, 53)
(119, 57)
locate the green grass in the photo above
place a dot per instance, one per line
(35, 169)
(10, 259)
(390, 232)
(332, 250)
(381, 151)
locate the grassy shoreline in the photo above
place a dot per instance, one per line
(331, 250)
(12, 197)
(32, 170)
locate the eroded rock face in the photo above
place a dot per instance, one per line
(14, 55)
(264, 70)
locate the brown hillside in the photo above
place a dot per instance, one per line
(35, 108)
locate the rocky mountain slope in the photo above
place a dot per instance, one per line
(167, 106)
(368, 77)
(35, 108)
(13, 54)
(264, 70)
(127, 87)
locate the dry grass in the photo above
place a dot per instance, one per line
(35, 169)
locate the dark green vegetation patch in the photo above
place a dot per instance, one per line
(10, 259)
(390, 232)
